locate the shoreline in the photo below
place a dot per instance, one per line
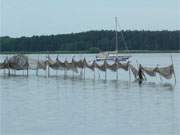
(87, 52)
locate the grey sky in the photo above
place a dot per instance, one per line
(44, 17)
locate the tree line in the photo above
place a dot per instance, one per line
(94, 41)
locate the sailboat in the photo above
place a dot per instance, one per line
(112, 55)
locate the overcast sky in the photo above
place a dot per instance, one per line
(45, 17)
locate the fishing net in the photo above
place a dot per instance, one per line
(123, 66)
(166, 72)
(33, 64)
(149, 70)
(112, 67)
(70, 66)
(41, 64)
(19, 62)
(78, 64)
(134, 71)
(89, 65)
(2, 66)
(102, 67)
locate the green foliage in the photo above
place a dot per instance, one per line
(94, 50)
(94, 41)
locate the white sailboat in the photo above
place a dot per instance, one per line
(112, 55)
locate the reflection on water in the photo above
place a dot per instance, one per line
(57, 105)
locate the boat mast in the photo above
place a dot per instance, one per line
(116, 37)
(116, 48)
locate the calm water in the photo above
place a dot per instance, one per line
(59, 106)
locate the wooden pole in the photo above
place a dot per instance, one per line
(37, 67)
(173, 69)
(94, 69)
(27, 71)
(116, 68)
(105, 64)
(56, 72)
(57, 58)
(73, 74)
(9, 73)
(84, 72)
(159, 75)
(94, 73)
(8, 67)
(81, 73)
(36, 71)
(4, 71)
(129, 74)
(64, 72)
(47, 67)
(48, 70)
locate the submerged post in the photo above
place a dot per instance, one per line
(73, 74)
(64, 72)
(129, 74)
(36, 71)
(47, 67)
(81, 73)
(94, 66)
(9, 72)
(173, 69)
(15, 72)
(84, 72)
(37, 67)
(116, 74)
(48, 70)
(116, 62)
(105, 65)
(27, 72)
(94, 74)
(56, 72)
(4, 71)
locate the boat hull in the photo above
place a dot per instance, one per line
(113, 58)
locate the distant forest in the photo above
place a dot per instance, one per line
(94, 41)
